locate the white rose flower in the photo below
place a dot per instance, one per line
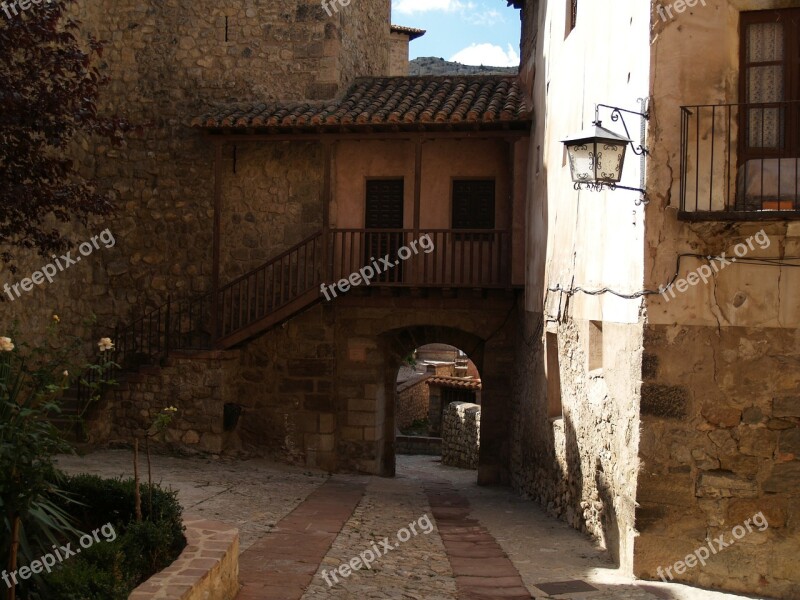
(5, 344)
(105, 344)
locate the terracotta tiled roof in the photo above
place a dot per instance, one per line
(391, 103)
(411, 32)
(455, 382)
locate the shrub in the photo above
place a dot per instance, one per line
(110, 570)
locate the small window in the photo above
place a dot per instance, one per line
(595, 345)
(553, 374)
(473, 203)
(572, 15)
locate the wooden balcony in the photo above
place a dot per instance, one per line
(290, 283)
(432, 258)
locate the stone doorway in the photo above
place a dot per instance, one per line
(431, 378)
(492, 358)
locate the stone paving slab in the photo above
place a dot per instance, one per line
(544, 549)
(256, 495)
(252, 494)
(280, 565)
(480, 566)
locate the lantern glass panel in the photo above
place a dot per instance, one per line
(581, 161)
(610, 158)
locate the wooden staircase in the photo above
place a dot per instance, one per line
(289, 284)
(247, 306)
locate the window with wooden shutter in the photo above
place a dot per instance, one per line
(384, 210)
(473, 204)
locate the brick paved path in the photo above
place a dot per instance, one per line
(295, 523)
(281, 565)
(481, 568)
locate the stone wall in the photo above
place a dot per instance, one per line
(398, 55)
(208, 567)
(721, 443)
(168, 62)
(271, 202)
(412, 403)
(197, 385)
(319, 390)
(582, 465)
(461, 435)
(416, 445)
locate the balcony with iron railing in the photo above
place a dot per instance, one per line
(740, 161)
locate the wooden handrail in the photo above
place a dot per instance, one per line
(285, 284)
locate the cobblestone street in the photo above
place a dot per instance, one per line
(286, 546)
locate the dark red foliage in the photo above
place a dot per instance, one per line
(48, 93)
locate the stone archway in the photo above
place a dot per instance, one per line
(488, 356)
(372, 336)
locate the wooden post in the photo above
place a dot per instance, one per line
(417, 203)
(327, 200)
(509, 220)
(217, 239)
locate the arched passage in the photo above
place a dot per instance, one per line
(398, 343)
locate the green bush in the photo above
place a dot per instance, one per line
(100, 572)
(111, 570)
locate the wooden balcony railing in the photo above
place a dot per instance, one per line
(449, 258)
(740, 158)
(290, 283)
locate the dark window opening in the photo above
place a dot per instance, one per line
(384, 211)
(230, 416)
(473, 206)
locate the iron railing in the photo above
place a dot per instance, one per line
(740, 158)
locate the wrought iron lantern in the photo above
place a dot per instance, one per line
(597, 155)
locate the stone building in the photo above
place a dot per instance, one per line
(279, 157)
(282, 150)
(656, 422)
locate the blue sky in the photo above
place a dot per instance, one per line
(472, 32)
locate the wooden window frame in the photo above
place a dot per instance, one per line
(572, 16)
(791, 68)
(453, 182)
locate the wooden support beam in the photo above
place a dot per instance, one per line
(416, 267)
(217, 251)
(327, 200)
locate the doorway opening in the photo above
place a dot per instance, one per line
(433, 378)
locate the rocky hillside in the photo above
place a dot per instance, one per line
(438, 66)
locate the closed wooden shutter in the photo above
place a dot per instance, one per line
(473, 204)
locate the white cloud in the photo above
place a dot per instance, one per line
(489, 17)
(488, 55)
(410, 7)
